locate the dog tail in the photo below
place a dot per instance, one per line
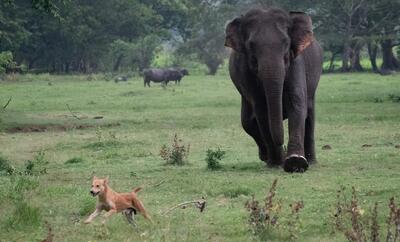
(137, 189)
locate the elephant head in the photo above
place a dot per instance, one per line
(269, 40)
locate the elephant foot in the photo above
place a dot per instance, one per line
(262, 155)
(295, 163)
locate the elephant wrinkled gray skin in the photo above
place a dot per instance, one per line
(276, 64)
(163, 75)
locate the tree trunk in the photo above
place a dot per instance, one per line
(372, 52)
(67, 67)
(331, 62)
(390, 63)
(355, 64)
(345, 57)
(117, 63)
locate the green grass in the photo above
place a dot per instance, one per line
(205, 112)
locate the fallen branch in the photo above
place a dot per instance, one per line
(200, 204)
(159, 183)
(8, 102)
(73, 115)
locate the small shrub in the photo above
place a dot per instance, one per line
(362, 226)
(378, 100)
(394, 98)
(36, 166)
(177, 154)
(294, 219)
(263, 217)
(74, 160)
(213, 157)
(5, 167)
(267, 217)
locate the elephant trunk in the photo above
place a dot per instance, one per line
(272, 76)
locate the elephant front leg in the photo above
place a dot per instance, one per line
(275, 153)
(296, 106)
(295, 160)
(250, 125)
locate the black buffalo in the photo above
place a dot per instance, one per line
(176, 74)
(163, 75)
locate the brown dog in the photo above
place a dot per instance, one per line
(113, 202)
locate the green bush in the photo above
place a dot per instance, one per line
(36, 166)
(213, 157)
(6, 60)
(5, 167)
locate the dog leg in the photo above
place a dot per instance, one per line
(130, 216)
(93, 215)
(108, 214)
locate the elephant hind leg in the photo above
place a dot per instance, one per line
(309, 143)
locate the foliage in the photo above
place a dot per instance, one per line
(213, 157)
(266, 218)
(177, 154)
(359, 225)
(5, 167)
(36, 166)
(6, 61)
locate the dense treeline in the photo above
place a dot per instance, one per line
(64, 36)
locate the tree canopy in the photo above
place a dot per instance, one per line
(114, 35)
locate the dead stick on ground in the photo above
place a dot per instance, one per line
(159, 183)
(73, 115)
(8, 102)
(200, 204)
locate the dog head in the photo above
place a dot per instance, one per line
(98, 186)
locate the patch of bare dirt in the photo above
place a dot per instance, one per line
(33, 128)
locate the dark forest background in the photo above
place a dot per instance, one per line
(88, 36)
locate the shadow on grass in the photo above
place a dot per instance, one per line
(259, 167)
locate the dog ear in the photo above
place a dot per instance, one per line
(106, 181)
(94, 177)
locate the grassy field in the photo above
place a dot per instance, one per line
(358, 116)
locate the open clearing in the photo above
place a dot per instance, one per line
(122, 127)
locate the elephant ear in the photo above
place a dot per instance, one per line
(233, 38)
(301, 32)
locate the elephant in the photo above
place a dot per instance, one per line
(275, 64)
